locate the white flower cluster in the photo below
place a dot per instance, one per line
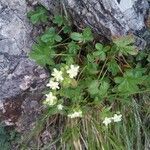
(57, 78)
(75, 114)
(115, 118)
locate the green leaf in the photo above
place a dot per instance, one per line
(69, 60)
(42, 55)
(77, 36)
(141, 55)
(38, 15)
(51, 31)
(148, 59)
(113, 67)
(87, 35)
(46, 38)
(94, 87)
(73, 94)
(49, 35)
(73, 47)
(100, 52)
(130, 81)
(128, 85)
(67, 29)
(91, 68)
(90, 58)
(125, 45)
(99, 47)
(103, 90)
(58, 19)
(102, 55)
(58, 38)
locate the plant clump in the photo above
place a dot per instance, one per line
(90, 82)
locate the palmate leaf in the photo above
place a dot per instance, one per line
(103, 89)
(77, 36)
(73, 47)
(38, 15)
(73, 94)
(91, 68)
(67, 29)
(87, 35)
(130, 81)
(100, 51)
(58, 19)
(51, 36)
(113, 67)
(42, 55)
(127, 84)
(125, 45)
(93, 87)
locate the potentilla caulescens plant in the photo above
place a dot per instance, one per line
(89, 81)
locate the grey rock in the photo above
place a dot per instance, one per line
(21, 78)
(106, 17)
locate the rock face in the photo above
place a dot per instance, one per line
(107, 17)
(20, 78)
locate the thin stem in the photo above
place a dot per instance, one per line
(102, 68)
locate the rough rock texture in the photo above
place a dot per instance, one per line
(20, 78)
(107, 17)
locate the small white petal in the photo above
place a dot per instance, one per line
(107, 121)
(60, 107)
(53, 85)
(57, 75)
(50, 99)
(75, 114)
(117, 118)
(73, 71)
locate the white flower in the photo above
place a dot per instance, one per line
(53, 85)
(73, 71)
(57, 75)
(107, 121)
(60, 107)
(50, 99)
(75, 114)
(117, 118)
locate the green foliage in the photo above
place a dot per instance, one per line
(103, 90)
(59, 20)
(86, 36)
(103, 81)
(130, 80)
(51, 36)
(100, 51)
(113, 67)
(125, 45)
(94, 87)
(38, 15)
(43, 54)
(73, 48)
